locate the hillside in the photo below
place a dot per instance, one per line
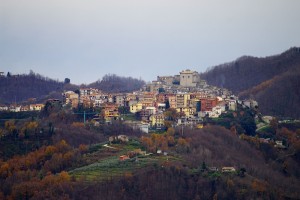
(56, 156)
(272, 81)
(95, 171)
(37, 88)
(114, 83)
(20, 88)
(279, 96)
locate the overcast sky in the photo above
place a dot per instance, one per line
(86, 39)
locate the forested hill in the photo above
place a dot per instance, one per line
(20, 88)
(273, 81)
(114, 83)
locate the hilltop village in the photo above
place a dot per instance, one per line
(174, 130)
(185, 94)
(187, 98)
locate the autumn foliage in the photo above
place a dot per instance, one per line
(38, 173)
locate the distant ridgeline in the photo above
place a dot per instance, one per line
(19, 88)
(113, 83)
(273, 81)
(37, 88)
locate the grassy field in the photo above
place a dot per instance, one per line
(265, 129)
(105, 163)
(111, 167)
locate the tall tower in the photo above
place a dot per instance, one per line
(189, 78)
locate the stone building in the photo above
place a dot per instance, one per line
(189, 78)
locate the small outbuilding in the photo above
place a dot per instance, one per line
(228, 169)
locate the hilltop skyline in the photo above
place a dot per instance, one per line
(141, 39)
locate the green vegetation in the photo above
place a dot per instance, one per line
(129, 117)
(214, 174)
(110, 168)
(264, 129)
(5, 116)
(240, 121)
(95, 147)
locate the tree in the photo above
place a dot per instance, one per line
(1, 133)
(147, 142)
(203, 166)
(4, 170)
(32, 126)
(167, 104)
(67, 81)
(242, 172)
(248, 123)
(274, 125)
(171, 141)
(171, 131)
(11, 127)
(77, 92)
(168, 124)
(259, 186)
(182, 145)
(50, 150)
(83, 148)
(171, 114)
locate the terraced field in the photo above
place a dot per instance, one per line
(105, 166)
(111, 167)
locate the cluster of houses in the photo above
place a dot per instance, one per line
(22, 108)
(186, 93)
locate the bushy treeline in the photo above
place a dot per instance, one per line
(273, 81)
(114, 83)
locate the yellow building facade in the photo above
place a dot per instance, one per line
(136, 107)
